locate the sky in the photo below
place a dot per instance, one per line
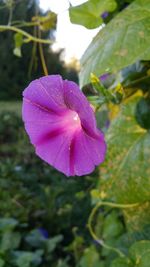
(74, 38)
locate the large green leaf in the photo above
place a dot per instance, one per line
(123, 41)
(125, 174)
(126, 171)
(89, 13)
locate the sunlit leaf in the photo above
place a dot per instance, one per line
(18, 44)
(125, 175)
(46, 22)
(89, 13)
(123, 41)
(127, 166)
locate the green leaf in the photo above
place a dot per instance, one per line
(46, 22)
(27, 259)
(17, 51)
(121, 262)
(140, 253)
(2, 262)
(22, 258)
(5, 243)
(18, 37)
(35, 239)
(52, 243)
(7, 224)
(126, 170)
(123, 41)
(90, 258)
(143, 113)
(127, 165)
(112, 226)
(89, 13)
(127, 239)
(62, 263)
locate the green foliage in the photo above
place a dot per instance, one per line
(10, 124)
(18, 43)
(44, 215)
(47, 22)
(20, 61)
(117, 50)
(89, 13)
(112, 226)
(121, 262)
(54, 204)
(127, 157)
(140, 253)
(143, 113)
(90, 258)
(123, 41)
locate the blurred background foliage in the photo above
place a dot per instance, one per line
(14, 77)
(43, 214)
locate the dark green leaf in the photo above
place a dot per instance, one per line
(35, 239)
(52, 243)
(7, 224)
(143, 113)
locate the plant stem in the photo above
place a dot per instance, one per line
(91, 217)
(24, 33)
(45, 70)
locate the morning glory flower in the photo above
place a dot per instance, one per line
(61, 125)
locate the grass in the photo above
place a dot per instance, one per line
(14, 106)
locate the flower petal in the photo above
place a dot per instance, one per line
(33, 112)
(96, 148)
(46, 92)
(80, 161)
(76, 101)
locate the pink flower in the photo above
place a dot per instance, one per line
(62, 126)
